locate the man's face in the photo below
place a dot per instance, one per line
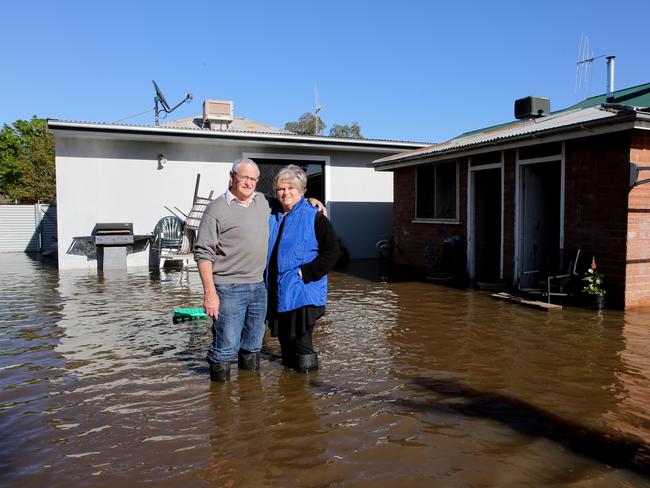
(244, 181)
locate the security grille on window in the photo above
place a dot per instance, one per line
(436, 188)
(269, 168)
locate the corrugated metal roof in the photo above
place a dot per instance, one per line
(635, 96)
(591, 109)
(513, 130)
(54, 124)
(239, 124)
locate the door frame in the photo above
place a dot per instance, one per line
(519, 196)
(471, 241)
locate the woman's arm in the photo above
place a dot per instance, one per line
(328, 251)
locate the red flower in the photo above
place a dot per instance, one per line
(593, 263)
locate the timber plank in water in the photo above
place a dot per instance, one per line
(528, 303)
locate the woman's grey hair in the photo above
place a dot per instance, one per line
(236, 165)
(294, 175)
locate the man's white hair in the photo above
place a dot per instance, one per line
(237, 164)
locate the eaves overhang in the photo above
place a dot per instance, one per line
(166, 134)
(626, 120)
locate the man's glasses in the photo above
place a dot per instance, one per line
(239, 177)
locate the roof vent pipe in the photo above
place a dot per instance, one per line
(610, 77)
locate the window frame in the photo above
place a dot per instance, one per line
(434, 220)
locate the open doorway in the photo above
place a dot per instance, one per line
(486, 225)
(539, 225)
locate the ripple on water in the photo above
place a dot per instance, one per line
(419, 385)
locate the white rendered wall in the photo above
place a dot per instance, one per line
(103, 180)
(360, 201)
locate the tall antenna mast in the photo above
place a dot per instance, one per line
(317, 108)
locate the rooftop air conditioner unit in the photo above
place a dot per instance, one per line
(531, 107)
(217, 112)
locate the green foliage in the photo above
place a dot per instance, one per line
(306, 125)
(27, 171)
(594, 280)
(349, 131)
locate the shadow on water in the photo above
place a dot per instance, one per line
(454, 398)
(608, 448)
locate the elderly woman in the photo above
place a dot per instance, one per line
(303, 248)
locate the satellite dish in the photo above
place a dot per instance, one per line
(160, 99)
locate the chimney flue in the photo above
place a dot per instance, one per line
(610, 77)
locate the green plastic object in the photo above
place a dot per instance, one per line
(189, 314)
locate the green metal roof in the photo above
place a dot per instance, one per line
(636, 96)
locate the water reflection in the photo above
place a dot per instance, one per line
(419, 385)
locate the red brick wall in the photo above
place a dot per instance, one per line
(410, 237)
(597, 220)
(596, 194)
(637, 284)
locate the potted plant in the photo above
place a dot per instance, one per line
(593, 290)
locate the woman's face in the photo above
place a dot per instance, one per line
(288, 195)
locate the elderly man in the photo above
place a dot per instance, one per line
(231, 251)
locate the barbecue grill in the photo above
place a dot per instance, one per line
(114, 234)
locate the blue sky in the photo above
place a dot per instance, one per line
(408, 70)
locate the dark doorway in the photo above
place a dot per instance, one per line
(315, 176)
(487, 225)
(540, 219)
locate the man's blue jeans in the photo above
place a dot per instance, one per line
(240, 324)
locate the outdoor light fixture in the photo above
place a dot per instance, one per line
(162, 161)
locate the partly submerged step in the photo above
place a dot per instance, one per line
(528, 303)
(189, 314)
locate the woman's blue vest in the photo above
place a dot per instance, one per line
(298, 245)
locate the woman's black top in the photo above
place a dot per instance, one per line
(297, 321)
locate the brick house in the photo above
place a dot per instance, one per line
(516, 194)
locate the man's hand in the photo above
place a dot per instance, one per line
(210, 297)
(315, 202)
(211, 304)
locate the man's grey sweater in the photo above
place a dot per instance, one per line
(235, 239)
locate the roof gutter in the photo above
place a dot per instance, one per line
(514, 141)
(61, 127)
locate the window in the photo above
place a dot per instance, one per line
(436, 191)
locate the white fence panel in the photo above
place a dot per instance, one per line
(19, 228)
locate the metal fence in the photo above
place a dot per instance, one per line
(28, 228)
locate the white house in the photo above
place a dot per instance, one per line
(130, 173)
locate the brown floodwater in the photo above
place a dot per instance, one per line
(420, 385)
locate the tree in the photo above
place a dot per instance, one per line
(349, 131)
(27, 171)
(306, 125)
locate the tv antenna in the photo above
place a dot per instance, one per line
(584, 65)
(161, 105)
(317, 108)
